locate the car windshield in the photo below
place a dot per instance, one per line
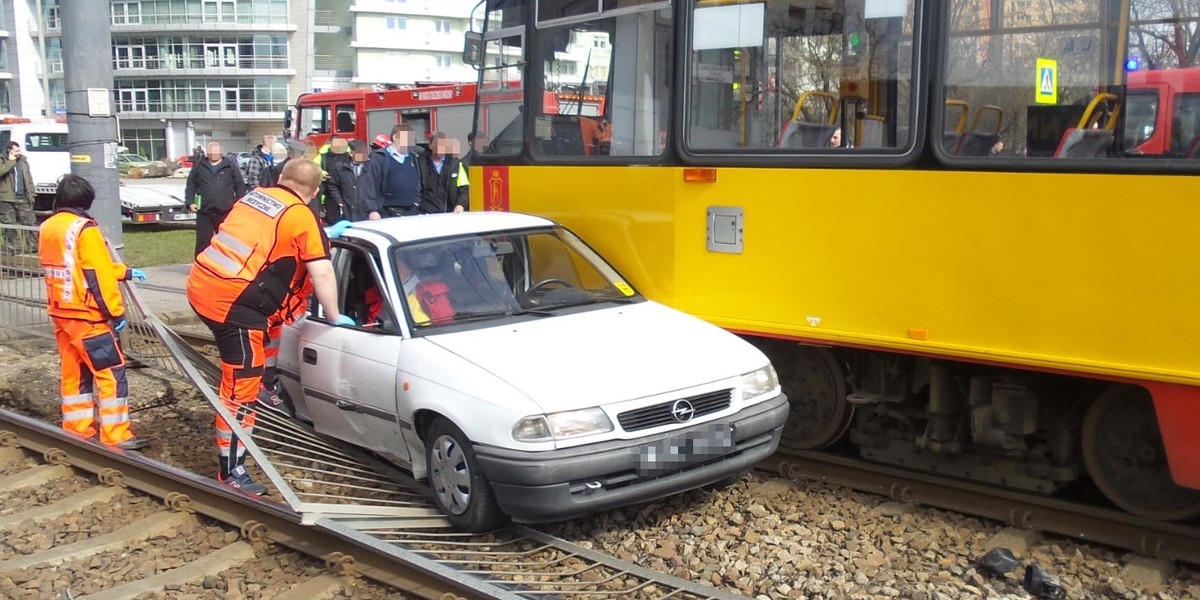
(499, 275)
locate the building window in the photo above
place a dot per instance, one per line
(444, 60)
(52, 21)
(133, 100)
(149, 142)
(442, 25)
(245, 94)
(54, 62)
(397, 23)
(126, 13)
(5, 106)
(4, 56)
(58, 97)
(220, 11)
(129, 57)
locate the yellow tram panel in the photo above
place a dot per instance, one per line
(1087, 273)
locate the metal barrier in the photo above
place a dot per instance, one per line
(22, 290)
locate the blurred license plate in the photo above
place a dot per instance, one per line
(184, 216)
(677, 452)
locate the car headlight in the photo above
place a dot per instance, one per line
(758, 382)
(563, 425)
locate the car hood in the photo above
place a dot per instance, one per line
(603, 356)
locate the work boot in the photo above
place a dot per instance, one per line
(240, 480)
(133, 443)
(271, 397)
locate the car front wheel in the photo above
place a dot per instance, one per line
(459, 486)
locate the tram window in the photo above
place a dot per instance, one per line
(500, 129)
(1052, 68)
(589, 108)
(786, 77)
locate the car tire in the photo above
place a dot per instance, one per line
(459, 487)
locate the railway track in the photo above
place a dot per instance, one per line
(431, 563)
(1156, 539)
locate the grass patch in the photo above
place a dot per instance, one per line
(156, 245)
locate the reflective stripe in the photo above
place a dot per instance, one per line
(224, 435)
(113, 403)
(79, 415)
(79, 399)
(70, 246)
(234, 244)
(231, 267)
(462, 176)
(114, 419)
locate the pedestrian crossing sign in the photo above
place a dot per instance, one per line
(1046, 84)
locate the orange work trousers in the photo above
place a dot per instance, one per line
(93, 386)
(242, 364)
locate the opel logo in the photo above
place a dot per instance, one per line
(682, 411)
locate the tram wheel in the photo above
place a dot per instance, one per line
(1124, 454)
(815, 386)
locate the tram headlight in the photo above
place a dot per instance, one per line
(759, 382)
(563, 425)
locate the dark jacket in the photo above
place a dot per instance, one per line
(217, 190)
(342, 187)
(374, 180)
(8, 179)
(441, 192)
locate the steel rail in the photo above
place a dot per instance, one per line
(1157, 539)
(259, 520)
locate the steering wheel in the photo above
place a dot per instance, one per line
(545, 282)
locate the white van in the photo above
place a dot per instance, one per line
(45, 147)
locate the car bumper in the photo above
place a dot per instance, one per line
(561, 484)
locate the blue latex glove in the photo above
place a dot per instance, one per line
(343, 320)
(119, 323)
(137, 274)
(337, 229)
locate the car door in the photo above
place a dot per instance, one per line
(349, 374)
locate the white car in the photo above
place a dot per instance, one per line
(501, 357)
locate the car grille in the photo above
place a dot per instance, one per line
(660, 414)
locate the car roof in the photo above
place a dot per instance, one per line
(423, 227)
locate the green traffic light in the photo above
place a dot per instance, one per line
(854, 39)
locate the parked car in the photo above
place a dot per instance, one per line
(500, 357)
(185, 161)
(242, 157)
(126, 161)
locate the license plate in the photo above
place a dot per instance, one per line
(677, 452)
(184, 216)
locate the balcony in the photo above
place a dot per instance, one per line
(200, 67)
(340, 64)
(332, 18)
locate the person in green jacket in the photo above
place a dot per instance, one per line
(16, 201)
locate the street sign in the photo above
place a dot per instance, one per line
(1046, 81)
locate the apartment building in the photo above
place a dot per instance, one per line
(184, 71)
(359, 43)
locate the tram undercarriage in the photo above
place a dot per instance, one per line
(1023, 430)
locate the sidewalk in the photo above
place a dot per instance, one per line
(163, 293)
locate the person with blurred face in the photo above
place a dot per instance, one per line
(212, 188)
(16, 201)
(391, 185)
(446, 187)
(345, 171)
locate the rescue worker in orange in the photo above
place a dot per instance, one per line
(85, 305)
(259, 262)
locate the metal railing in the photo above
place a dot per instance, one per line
(22, 289)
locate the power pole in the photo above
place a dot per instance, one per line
(91, 122)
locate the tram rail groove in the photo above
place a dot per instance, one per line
(1155, 539)
(259, 520)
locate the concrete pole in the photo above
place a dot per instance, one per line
(91, 116)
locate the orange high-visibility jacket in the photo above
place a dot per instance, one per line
(81, 277)
(254, 266)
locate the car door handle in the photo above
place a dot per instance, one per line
(344, 405)
(310, 356)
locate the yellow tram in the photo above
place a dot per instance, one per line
(966, 231)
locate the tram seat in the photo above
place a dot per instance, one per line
(975, 144)
(799, 134)
(1084, 143)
